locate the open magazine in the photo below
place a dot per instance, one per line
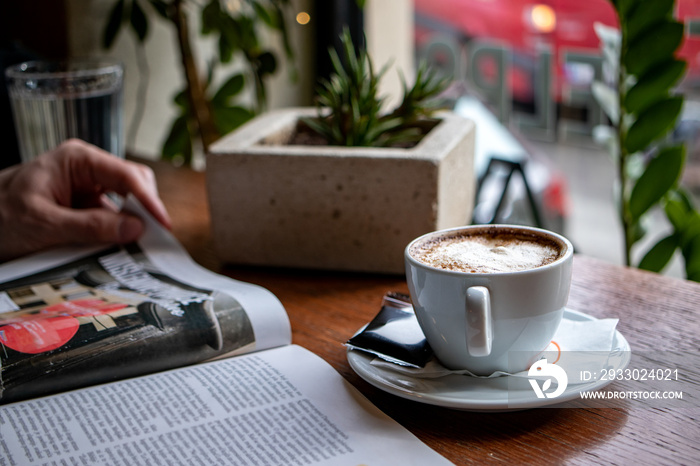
(135, 344)
(76, 317)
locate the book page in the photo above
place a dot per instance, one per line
(283, 406)
(76, 317)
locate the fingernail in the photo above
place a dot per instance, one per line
(130, 229)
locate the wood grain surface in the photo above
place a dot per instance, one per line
(659, 316)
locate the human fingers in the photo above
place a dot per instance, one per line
(95, 226)
(40, 224)
(89, 167)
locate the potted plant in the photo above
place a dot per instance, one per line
(344, 186)
(206, 112)
(643, 106)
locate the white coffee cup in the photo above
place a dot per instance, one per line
(487, 321)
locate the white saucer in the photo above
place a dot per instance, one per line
(480, 394)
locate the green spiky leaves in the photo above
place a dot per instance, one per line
(350, 109)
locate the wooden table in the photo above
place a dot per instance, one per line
(656, 313)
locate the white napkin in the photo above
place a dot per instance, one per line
(581, 348)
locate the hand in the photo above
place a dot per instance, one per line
(59, 198)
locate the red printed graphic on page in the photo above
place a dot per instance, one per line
(53, 327)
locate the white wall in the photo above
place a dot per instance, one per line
(389, 31)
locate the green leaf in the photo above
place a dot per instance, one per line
(690, 231)
(624, 7)
(691, 256)
(680, 210)
(139, 23)
(227, 119)
(656, 45)
(210, 17)
(225, 49)
(264, 15)
(178, 142)
(638, 231)
(230, 33)
(683, 196)
(658, 257)
(676, 213)
(647, 14)
(282, 27)
(182, 101)
(660, 176)
(267, 64)
(161, 8)
(653, 122)
(693, 276)
(211, 65)
(654, 84)
(322, 129)
(234, 85)
(116, 16)
(245, 31)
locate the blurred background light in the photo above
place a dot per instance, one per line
(303, 17)
(543, 18)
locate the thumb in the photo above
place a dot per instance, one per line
(100, 226)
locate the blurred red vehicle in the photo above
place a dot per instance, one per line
(526, 28)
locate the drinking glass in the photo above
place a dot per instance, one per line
(55, 101)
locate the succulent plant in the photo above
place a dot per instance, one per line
(350, 109)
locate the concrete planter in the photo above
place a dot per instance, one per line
(335, 208)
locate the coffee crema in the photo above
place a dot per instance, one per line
(491, 250)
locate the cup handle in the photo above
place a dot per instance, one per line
(479, 330)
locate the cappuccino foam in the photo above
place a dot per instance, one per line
(487, 252)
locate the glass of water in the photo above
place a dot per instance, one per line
(55, 101)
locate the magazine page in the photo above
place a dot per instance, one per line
(76, 317)
(277, 407)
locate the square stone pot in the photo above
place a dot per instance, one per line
(334, 208)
